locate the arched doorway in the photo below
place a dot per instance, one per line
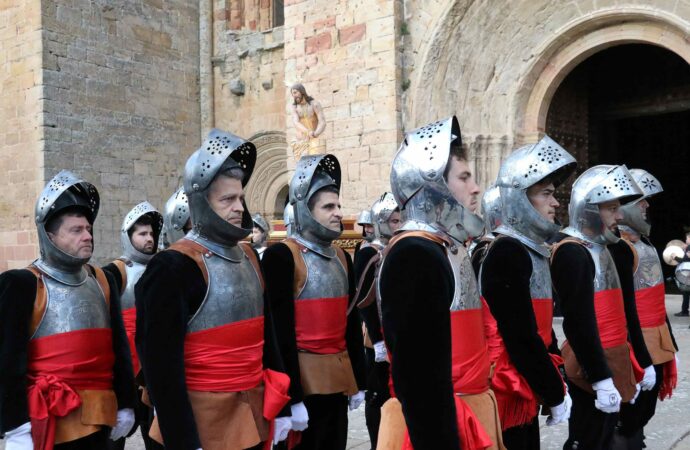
(630, 104)
(268, 183)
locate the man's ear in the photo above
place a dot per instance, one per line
(51, 236)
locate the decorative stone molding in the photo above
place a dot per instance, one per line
(270, 173)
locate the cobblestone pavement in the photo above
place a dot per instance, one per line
(668, 430)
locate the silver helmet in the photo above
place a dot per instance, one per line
(221, 150)
(633, 216)
(289, 219)
(262, 224)
(313, 172)
(176, 216)
(596, 185)
(521, 170)
(381, 212)
(419, 185)
(64, 190)
(363, 219)
(491, 208)
(136, 213)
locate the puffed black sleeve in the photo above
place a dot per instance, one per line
(506, 273)
(112, 269)
(123, 373)
(370, 313)
(572, 272)
(279, 272)
(167, 294)
(17, 295)
(417, 289)
(353, 334)
(624, 258)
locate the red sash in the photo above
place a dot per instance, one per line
(471, 366)
(669, 381)
(129, 317)
(610, 315)
(227, 358)
(651, 306)
(320, 325)
(517, 403)
(58, 366)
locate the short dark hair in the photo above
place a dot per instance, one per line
(457, 152)
(233, 172)
(314, 198)
(141, 222)
(55, 221)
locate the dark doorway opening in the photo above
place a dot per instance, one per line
(630, 104)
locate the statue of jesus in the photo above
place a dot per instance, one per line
(307, 115)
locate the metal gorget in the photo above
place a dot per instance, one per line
(506, 230)
(326, 277)
(68, 278)
(71, 308)
(230, 252)
(234, 293)
(648, 271)
(322, 248)
(134, 271)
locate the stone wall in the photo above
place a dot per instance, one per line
(345, 53)
(21, 134)
(121, 100)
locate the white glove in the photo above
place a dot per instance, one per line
(125, 422)
(608, 398)
(380, 352)
(19, 438)
(281, 428)
(637, 393)
(649, 379)
(560, 413)
(356, 400)
(300, 416)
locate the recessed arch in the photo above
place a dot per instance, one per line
(270, 173)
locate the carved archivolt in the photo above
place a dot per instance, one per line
(270, 173)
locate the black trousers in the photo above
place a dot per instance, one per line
(327, 423)
(377, 394)
(524, 437)
(143, 419)
(588, 428)
(633, 418)
(95, 441)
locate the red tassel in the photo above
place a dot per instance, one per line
(669, 381)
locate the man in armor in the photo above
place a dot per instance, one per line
(650, 296)
(491, 209)
(310, 285)
(364, 221)
(431, 311)
(176, 220)
(139, 236)
(260, 233)
(516, 284)
(65, 370)
(204, 332)
(600, 322)
(385, 216)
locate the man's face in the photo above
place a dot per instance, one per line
(368, 229)
(327, 210)
(611, 214)
(142, 239)
(296, 95)
(74, 236)
(394, 221)
(643, 205)
(461, 184)
(225, 196)
(258, 235)
(541, 197)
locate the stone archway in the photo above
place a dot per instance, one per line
(577, 42)
(270, 173)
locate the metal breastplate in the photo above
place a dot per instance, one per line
(326, 277)
(648, 271)
(466, 293)
(134, 271)
(605, 273)
(71, 308)
(540, 280)
(234, 293)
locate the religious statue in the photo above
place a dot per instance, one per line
(307, 115)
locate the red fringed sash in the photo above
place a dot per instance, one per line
(129, 318)
(320, 325)
(670, 379)
(58, 366)
(651, 306)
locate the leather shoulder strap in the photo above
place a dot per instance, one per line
(39, 302)
(417, 233)
(194, 251)
(369, 298)
(249, 251)
(636, 256)
(102, 282)
(568, 240)
(300, 274)
(122, 268)
(343, 259)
